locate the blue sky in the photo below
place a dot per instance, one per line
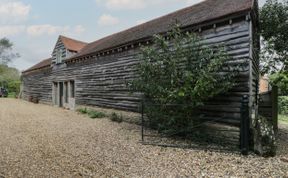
(34, 25)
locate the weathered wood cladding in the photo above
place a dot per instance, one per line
(254, 53)
(101, 80)
(38, 84)
(59, 46)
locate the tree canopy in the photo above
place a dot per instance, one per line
(274, 33)
(9, 76)
(6, 51)
(274, 30)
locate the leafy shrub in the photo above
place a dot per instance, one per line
(116, 118)
(280, 80)
(12, 95)
(96, 114)
(283, 118)
(283, 105)
(14, 86)
(91, 113)
(180, 70)
(83, 110)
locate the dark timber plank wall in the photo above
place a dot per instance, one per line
(59, 46)
(254, 53)
(102, 81)
(38, 84)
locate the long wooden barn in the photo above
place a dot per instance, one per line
(95, 74)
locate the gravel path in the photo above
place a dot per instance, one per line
(43, 141)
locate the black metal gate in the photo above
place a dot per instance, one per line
(204, 134)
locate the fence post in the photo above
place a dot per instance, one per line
(142, 121)
(275, 108)
(244, 126)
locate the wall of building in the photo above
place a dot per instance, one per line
(59, 46)
(38, 85)
(264, 85)
(101, 81)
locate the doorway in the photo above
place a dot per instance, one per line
(55, 93)
(61, 94)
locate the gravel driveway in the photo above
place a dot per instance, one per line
(43, 141)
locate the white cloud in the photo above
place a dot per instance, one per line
(39, 30)
(107, 20)
(123, 4)
(140, 4)
(47, 29)
(13, 12)
(11, 30)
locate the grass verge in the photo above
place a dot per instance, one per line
(12, 95)
(283, 118)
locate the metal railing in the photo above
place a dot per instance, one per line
(240, 135)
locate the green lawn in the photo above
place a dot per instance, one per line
(11, 95)
(283, 118)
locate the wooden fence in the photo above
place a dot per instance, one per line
(268, 106)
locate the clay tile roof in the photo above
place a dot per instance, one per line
(200, 13)
(40, 65)
(71, 44)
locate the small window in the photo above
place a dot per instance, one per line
(72, 87)
(59, 56)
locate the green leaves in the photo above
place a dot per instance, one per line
(10, 78)
(280, 80)
(179, 67)
(178, 73)
(181, 93)
(274, 30)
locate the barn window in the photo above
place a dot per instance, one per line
(59, 56)
(72, 87)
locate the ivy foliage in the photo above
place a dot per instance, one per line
(177, 74)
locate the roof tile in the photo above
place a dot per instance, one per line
(196, 14)
(42, 64)
(71, 44)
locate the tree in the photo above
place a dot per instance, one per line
(274, 30)
(9, 77)
(177, 74)
(280, 80)
(6, 54)
(8, 74)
